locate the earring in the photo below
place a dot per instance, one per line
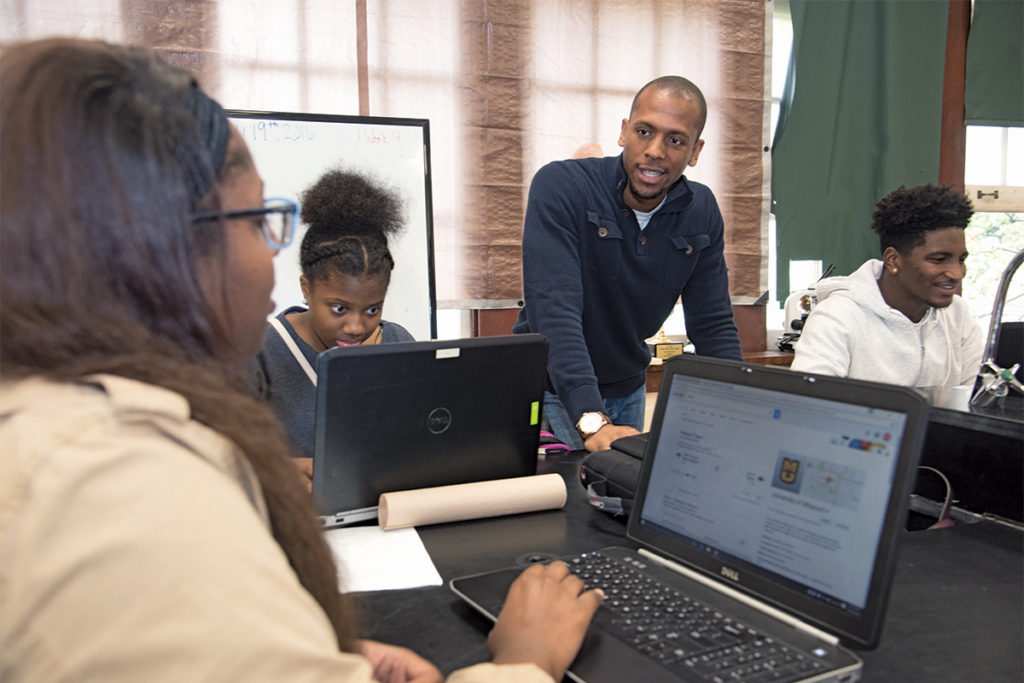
(894, 270)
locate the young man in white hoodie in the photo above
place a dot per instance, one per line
(901, 319)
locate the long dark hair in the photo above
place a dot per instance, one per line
(104, 152)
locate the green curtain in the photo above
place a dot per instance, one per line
(995, 64)
(860, 116)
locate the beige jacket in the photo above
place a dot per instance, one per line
(134, 546)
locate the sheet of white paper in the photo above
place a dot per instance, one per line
(371, 559)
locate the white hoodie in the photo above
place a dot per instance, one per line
(852, 332)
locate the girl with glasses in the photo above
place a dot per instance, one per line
(153, 525)
(346, 269)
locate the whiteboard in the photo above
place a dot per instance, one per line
(292, 151)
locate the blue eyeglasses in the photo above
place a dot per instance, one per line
(278, 218)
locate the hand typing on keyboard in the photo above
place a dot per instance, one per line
(544, 618)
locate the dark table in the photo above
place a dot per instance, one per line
(956, 612)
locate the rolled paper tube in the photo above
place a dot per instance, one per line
(419, 507)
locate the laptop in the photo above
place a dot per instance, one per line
(770, 498)
(410, 415)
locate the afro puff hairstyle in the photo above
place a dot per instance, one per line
(350, 219)
(903, 216)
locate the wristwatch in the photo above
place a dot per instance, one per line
(590, 423)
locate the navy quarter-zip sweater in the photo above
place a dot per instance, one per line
(597, 286)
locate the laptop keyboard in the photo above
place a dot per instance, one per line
(683, 634)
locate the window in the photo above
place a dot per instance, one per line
(994, 175)
(97, 19)
(801, 273)
(992, 240)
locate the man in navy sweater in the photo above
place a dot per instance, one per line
(609, 245)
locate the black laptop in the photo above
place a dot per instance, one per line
(769, 509)
(394, 417)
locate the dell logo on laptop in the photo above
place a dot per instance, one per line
(730, 574)
(439, 420)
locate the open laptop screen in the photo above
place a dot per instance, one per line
(782, 491)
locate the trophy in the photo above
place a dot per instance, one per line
(664, 348)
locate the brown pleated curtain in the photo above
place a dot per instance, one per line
(507, 86)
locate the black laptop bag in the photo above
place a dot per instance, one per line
(610, 476)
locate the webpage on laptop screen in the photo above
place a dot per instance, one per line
(795, 485)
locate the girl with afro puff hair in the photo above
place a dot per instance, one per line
(346, 268)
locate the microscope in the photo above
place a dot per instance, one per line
(796, 309)
(994, 382)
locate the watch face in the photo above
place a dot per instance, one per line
(591, 422)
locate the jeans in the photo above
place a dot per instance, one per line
(627, 410)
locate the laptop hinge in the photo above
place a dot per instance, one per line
(742, 597)
(331, 520)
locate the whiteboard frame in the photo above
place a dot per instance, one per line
(417, 239)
